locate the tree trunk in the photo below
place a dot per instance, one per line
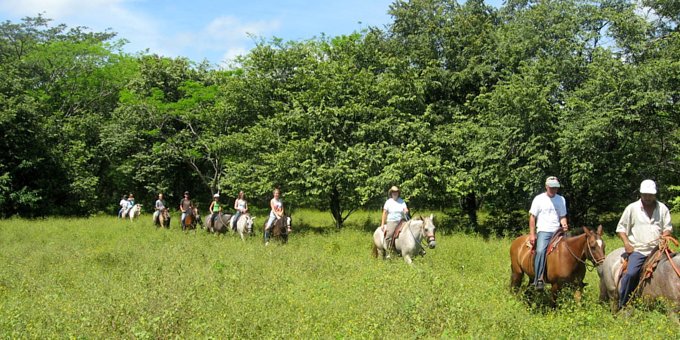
(336, 208)
(470, 209)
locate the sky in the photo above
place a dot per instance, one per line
(215, 31)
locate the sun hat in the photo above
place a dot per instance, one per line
(393, 189)
(552, 182)
(648, 187)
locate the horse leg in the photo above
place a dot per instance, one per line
(554, 289)
(516, 278)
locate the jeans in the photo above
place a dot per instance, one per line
(630, 280)
(184, 216)
(236, 216)
(542, 241)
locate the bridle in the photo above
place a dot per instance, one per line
(429, 237)
(589, 266)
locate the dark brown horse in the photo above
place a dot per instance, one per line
(280, 229)
(565, 265)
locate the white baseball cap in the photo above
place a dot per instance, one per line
(552, 182)
(648, 187)
(216, 195)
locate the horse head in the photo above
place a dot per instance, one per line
(595, 245)
(428, 231)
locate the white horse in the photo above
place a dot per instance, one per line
(244, 225)
(408, 243)
(133, 212)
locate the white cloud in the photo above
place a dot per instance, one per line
(225, 37)
(220, 40)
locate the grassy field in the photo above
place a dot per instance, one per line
(105, 278)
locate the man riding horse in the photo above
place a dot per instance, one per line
(548, 213)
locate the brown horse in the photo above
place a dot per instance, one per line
(163, 219)
(565, 265)
(280, 229)
(192, 218)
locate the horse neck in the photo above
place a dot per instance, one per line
(577, 244)
(416, 231)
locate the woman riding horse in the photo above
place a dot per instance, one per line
(276, 213)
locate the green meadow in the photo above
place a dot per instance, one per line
(105, 278)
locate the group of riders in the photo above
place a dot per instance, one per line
(187, 207)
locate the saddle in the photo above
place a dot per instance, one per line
(395, 236)
(552, 244)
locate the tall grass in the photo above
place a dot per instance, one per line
(102, 277)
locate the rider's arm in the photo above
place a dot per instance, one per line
(564, 223)
(236, 204)
(245, 206)
(532, 227)
(384, 217)
(210, 209)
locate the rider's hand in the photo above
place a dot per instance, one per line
(565, 227)
(532, 239)
(629, 247)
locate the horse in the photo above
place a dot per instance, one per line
(664, 282)
(221, 224)
(280, 229)
(244, 225)
(163, 219)
(192, 219)
(133, 212)
(409, 241)
(565, 264)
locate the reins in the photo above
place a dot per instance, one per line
(589, 267)
(666, 250)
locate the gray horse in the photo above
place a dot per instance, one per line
(664, 283)
(408, 243)
(221, 225)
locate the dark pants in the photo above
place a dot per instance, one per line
(631, 278)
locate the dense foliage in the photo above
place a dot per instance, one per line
(465, 106)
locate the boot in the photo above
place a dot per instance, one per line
(266, 237)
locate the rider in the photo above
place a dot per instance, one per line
(123, 205)
(130, 204)
(276, 212)
(215, 209)
(394, 211)
(641, 227)
(241, 206)
(185, 205)
(159, 207)
(547, 213)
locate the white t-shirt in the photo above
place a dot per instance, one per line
(644, 232)
(395, 209)
(548, 212)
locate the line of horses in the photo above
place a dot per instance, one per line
(566, 262)
(222, 223)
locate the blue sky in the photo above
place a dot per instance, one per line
(204, 29)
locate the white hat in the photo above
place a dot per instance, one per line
(216, 195)
(552, 182)
(648, 187)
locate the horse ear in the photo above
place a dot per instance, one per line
(586, 230)
(599, 230)
(432, 216)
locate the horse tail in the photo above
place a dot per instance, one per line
(374, 251)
